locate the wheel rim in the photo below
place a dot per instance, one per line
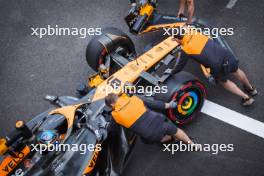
(190, 99)
(187, 103)
(102, 57)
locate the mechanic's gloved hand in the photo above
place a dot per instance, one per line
(211, 80)
(103, 124)
(173, 104)
(104, 134)
(100, 134)
(95, 131)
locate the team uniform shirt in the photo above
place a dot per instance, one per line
(139, 116)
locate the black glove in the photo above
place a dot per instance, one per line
(173, 104)
(103, 124)
(102, 128)
(96, 131)
(211, 80)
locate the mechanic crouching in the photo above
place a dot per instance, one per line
(138, 115)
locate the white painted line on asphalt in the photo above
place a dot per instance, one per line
(231, 4)
(233, 118)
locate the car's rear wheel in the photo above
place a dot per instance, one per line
(188, 92)
(96, 52)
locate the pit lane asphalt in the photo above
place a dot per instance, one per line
(31, 68)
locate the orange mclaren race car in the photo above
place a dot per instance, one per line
(84, 120)
(38, 146)
(29, 149)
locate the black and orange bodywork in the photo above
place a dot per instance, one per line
(113, 157)
(129, 73)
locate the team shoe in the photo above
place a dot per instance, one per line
(253, 91)
(247, 101)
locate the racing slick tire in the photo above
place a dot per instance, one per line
(188, 92)
(96, 52)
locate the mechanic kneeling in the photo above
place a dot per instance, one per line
(137, 115)
(220, 60)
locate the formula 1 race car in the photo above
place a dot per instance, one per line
(82, 121)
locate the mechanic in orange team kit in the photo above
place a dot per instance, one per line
(220, 60)
(138, 115)
(183, 3)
